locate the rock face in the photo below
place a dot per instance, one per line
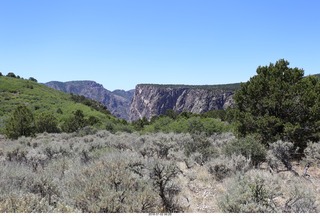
(118, 102)
(152, 100)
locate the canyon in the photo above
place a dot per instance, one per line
(148, 100)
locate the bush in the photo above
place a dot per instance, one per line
(262, 192)
(200, 144)
(311, 157)
(21, 123)
(23, 203)
(36, 159)
(249, 147)
(59, 111)
(162, 124)
(280, 152)
(300, 198)
(223, 166)
(47, 122)
(45, 187)
(17, 154)
(11, 74)
(93, 120)
(162, 174)
(312, 153)
(212, 126)
(110, 126)
(74, 122)
(109, 186)
(33, 79)
(140, 123)
(195, 125)
(250, 194)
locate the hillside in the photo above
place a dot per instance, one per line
(40, 98)
(118, 101)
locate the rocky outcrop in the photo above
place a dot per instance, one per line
(152, 100)
(117, 102)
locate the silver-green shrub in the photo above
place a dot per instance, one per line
(312, 153)
(249, 147)
(260, 192)
(225, 166)
(162, 174)
(279, 153)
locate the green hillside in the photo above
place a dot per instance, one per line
(40, 98)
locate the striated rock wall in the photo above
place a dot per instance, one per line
(151, 100)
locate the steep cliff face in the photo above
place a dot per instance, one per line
(151, 100)
(117, 102)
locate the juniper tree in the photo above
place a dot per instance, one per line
(21, 123)
(279, 103)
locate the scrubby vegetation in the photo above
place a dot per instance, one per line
(182, 123)
(65, 153)
(129, 172)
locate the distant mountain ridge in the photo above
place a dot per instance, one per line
(117, 102)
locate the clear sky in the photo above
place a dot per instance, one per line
(121, 43)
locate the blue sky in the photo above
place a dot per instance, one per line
(121, 43)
